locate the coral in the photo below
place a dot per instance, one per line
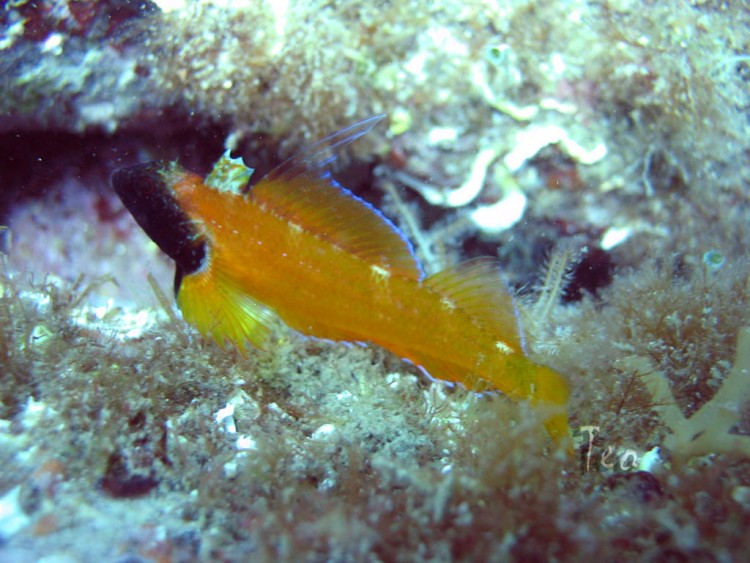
(117, 417)
(689, 323)
(708, 430)
(63, 64)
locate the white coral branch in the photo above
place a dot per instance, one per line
(708, 430)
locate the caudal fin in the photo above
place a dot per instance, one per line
(476, 288)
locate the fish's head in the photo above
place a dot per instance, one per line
(146, 191)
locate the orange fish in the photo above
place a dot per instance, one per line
(299, 247)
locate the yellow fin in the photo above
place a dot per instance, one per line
(218, 308)
(475, 286)
(300, 191)
(331, 213)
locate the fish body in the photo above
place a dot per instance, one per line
(298, 247)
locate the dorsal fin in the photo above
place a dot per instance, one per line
(476, 287)
(319, 155)
(301, 193)
(334, 214)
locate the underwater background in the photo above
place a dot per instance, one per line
(599, 150)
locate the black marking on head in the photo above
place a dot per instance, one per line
(144, 191)
(178, 275)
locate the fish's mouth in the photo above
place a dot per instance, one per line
(144, 191)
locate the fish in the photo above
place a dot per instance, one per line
(298, 247)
